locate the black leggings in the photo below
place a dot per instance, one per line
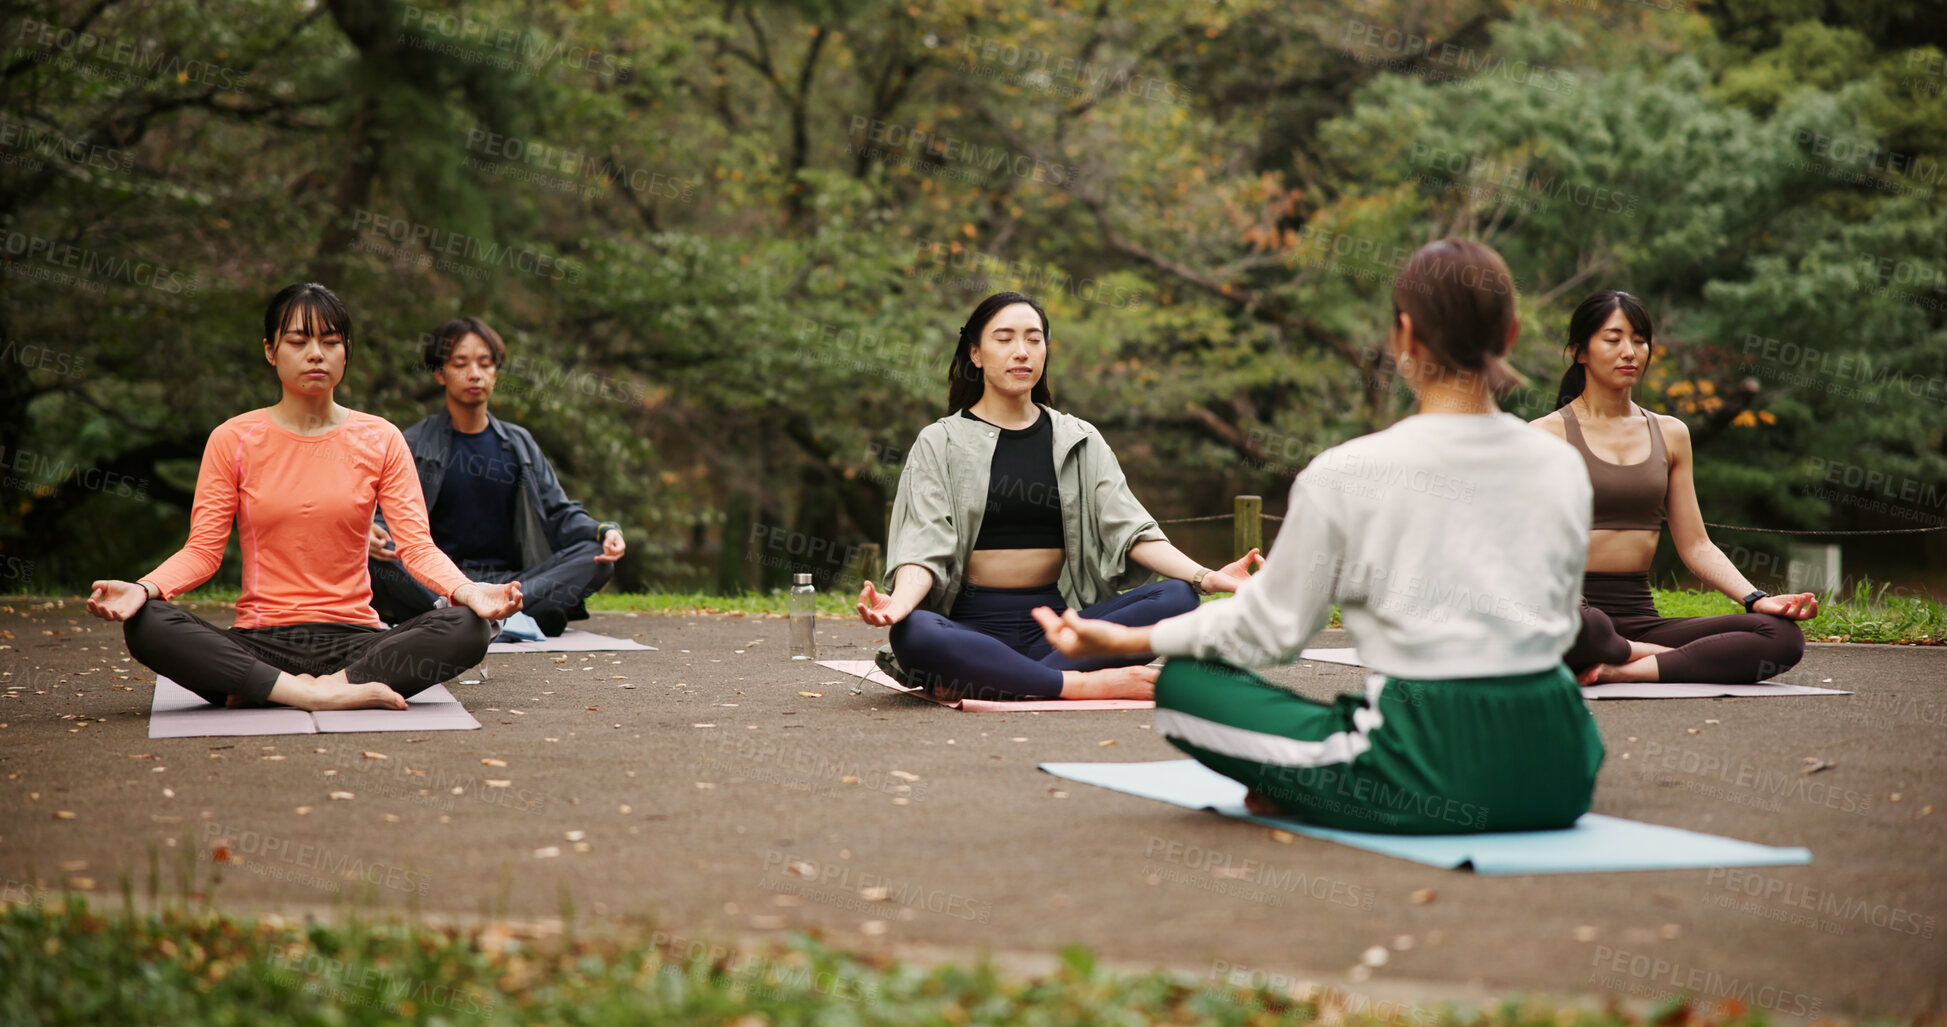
(993, 648)
(1735, 649)
(216, 663)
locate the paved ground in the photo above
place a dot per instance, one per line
(698, 786)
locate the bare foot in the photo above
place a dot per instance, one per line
(1112, 683)
(1262, 805)
(1638, 650)
(1643, 669)
(333, 692)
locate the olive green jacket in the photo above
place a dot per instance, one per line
(943, 497)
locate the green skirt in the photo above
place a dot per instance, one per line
(1514, 753)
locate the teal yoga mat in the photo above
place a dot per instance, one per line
(1595, 844)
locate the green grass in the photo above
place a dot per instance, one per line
(1869, 614)
(68, 963)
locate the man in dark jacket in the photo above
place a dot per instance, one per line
(496, 507)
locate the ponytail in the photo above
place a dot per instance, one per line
(1573, 381)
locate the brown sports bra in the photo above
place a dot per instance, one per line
(1628, 497)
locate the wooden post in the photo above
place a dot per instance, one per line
(870, 569)
(1247, 525)
(731, 574)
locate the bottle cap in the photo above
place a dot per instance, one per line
(802, 578)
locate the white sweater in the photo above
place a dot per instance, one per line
(1454, 545)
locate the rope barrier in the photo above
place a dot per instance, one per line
(1707, 524)
(1825, 531)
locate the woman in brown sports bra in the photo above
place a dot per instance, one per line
(1639, 464)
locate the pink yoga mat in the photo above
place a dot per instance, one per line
(870, 671)
(1632, 689)
(179, 713)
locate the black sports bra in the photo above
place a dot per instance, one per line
(1023, 495)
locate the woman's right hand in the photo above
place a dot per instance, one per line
(878, 609)
(117, 600)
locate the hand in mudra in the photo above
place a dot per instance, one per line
(117, 600)
(1231, 576)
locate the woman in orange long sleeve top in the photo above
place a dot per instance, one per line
(299, 480)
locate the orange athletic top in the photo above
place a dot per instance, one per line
(303, 509)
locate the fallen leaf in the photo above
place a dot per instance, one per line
(341, 795)
(375, 755)
(812, 695)
(493, 763)
(1422, 896)
(1283, 836)
(498, 782)
(302, 810)
(904, 776)
(575, 836)
(63, 814)
(1109, 742)
(547, 852)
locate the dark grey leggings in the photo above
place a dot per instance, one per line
(1735, 649)
(216, 663)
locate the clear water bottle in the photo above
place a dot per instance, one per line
(804, 618)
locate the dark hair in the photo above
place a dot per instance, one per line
(321, 311)
(439, 345)
(1462, 301)
(1588, 320)
(965, 383)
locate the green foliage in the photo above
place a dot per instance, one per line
(730, 247)
(65, 963)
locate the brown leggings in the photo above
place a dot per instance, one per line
(1735, 649)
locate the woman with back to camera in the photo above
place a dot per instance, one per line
(1007, 504)
(1640, 467)
(300, 479)
(1453, 543)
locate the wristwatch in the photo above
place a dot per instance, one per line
(1754, 597)
(1196, 580)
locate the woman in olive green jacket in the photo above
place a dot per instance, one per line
(1007, 504)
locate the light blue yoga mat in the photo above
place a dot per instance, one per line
(1596, 843)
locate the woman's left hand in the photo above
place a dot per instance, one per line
(1231, 576)
(1801, 606)
(1080, 638)
(491, 602)
(612, 546)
